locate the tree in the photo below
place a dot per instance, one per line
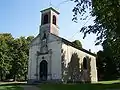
(107, 28)
(77, 43)
(14, 57)
(100, 61)
(20, 58)
(110, 56)
(112, 52)
(5, 55)
(20, 55)
(107, 17)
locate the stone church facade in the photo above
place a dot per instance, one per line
(52, 58)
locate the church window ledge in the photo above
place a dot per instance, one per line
(39, 53)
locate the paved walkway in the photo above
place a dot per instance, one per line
(3, 83)
(30, 87)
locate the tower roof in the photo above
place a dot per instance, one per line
(50, 8)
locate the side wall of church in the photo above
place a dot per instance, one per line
(69, 54)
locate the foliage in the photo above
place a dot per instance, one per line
(107, 17)
(14, 57)
(107, 28)
(110, 56)
(100, 65)
(77, 43)
(5, 55)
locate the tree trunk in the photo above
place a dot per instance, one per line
(14, 78)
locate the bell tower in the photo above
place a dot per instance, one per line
(49, 22)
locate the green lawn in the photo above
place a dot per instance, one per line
(109, 82)
(104, 85)
(9, 87)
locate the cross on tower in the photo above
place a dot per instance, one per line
(50, 4)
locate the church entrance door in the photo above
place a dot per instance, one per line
(43, 70)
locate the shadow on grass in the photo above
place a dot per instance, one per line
(113, 86)
(70, 86)
(99, 86)
(14, 88)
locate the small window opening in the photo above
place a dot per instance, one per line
(84, 63)
(45, 19)
(54, 19)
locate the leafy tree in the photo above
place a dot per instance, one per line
(112, 52)
(100, 61)
(107, 17)
(14, 57)
(77, 43)
(110, 56)
(107, 28)
(20, 61)
(5, 55)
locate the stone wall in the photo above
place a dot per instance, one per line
(72, 65)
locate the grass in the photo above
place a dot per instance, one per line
(104, 85)
(10, 88)
(109, 82)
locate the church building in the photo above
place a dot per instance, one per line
(53, 58)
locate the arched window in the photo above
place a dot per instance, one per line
(54, 19)
(84, 63)
(45, 19)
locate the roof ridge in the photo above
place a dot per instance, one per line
(71, 44)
